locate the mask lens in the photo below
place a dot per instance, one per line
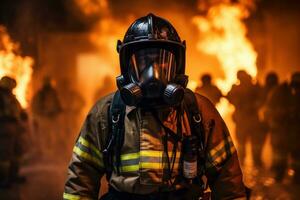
(156, 62)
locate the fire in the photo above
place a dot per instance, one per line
(14, 65)
(89, 7)
(223, 34)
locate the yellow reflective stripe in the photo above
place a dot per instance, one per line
(151, 165)
(71, 196)
(220, 152)
(144, 153)
(157, 153)
(217, 148)
(147, 165)
(220, 146)
(87, 144)
(130, 168)
(222, 157)
(130, 156)
(151, 153)
(87, 156)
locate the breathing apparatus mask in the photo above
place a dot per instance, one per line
(152, 64)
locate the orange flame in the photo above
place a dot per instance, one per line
(223, 34)
(89, 7)
(15, 66)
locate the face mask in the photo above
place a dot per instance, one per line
(152, 75)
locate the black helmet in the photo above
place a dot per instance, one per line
(152, 60)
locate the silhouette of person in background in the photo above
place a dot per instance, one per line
(46, 103)
(207, 89)
(259, 136)
(46, 109)
(270, 83)
(294, 131)
(277, 117)
(12, 128)
(245, 97)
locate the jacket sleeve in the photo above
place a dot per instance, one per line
(86, 166)
(223, 171)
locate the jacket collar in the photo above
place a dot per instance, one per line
(129, 109)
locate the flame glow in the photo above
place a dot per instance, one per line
(89, 7)
(223, 34)
(14, 65)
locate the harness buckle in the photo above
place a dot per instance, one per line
(115, 118)
(197, 118)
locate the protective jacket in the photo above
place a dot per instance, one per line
(142, 157)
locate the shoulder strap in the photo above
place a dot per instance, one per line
(115, 139)
(195, 120)
(194, 115)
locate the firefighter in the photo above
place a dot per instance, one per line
(153, 139)
(46, 109)
(245, 97)
(277, 116)
(258, 139)
(294, 124)
(46, 102)
(207, 89)
(12, 119)
(271, 82)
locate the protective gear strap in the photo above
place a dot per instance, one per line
(116, 139)
(116, 114)
(195, 121)
(194, 116)
(176, 137)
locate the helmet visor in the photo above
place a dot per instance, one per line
(155, 63)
